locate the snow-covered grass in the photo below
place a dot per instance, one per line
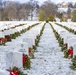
(49, 60)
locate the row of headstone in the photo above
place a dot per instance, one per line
(14, 57)
(11, 31)
(6, 25)
(68, 38)
(72, 42)
(69, 25)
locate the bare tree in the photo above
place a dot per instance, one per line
(34, 5)
(24, 11)
(16, 11)
(11, 10)
(49, 8)
(70, 5)
(1, 9)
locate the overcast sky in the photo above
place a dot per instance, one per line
(41, 1)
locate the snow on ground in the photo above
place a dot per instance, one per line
(48, 57)
(49, 60)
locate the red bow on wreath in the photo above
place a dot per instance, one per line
(7, 36)
(2, 40)
(13, 72)
(29, 50)
(24, 58)
(70, 52)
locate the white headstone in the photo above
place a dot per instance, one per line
(10, 48)
(13, 59)
(13, 30)
(67, 38)
(22, 47)
(1, 34)
(18, 29)
(7, 32)
(31, 37)
(71, 41)
(3, 72)
(61, 31)
(1, 26)
(29, 41)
